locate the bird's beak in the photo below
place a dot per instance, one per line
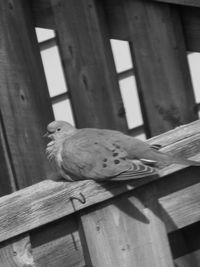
(46, 135)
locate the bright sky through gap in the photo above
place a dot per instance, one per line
(121, 54)
(53, 71)
(194, 64)
(44, 34)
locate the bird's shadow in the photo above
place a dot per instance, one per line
(151, 189)
(142, 192)
(125, 202)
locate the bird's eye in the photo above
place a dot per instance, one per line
(58, 129)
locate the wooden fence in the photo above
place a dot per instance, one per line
(151, 222)
(111, 223)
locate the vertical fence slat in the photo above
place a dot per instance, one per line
(161, 66)
(127, 232)
(24, 112)
(162, 69)
(24, 99)
(88, 64)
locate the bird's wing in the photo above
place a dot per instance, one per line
(137, 171)
(90, 155)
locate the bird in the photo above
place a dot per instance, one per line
(102, 154)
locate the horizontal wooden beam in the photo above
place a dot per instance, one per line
(61, 97)
(48, 44)
(126, 74)
(117, 25)
(49, 200)
(136, 131)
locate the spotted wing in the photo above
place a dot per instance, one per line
(89, 155)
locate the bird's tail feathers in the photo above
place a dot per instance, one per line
(136, 171)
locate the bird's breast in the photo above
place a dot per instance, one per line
(54, 152)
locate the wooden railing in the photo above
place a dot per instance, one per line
(153, 207)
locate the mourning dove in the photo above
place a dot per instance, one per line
(100, 154)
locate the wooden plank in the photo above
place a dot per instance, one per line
(16, 252)
(23, 114)
(49, 200)
(162, 71)
(88, 64)
(127, 232)
(194, 3)
(182, 214)
(24, 97)
(58, 244)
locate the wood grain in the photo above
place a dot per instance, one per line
(165, 87)
(182, 207)
(88, 64)
(24, 98)
(24, 112)
(58, 244)
(16, 252)
(49, 200)
(129, 230)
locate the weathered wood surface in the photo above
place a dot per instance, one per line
(130, 230)
(159, 56)
(16, 252)
(88, 64)
(187, 202)
(24, 112)
(58, 244)
(24, 98)
(49, 200)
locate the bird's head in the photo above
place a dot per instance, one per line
(59, 129)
